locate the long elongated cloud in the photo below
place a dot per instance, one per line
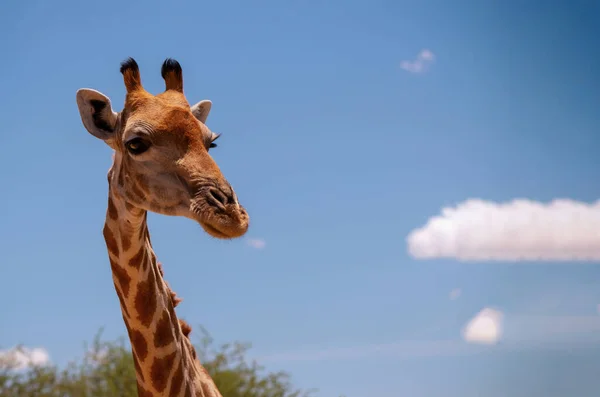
(488, 330)
(519, 230)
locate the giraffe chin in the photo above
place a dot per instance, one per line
(229, 225)
(213, 231)
(225, 233)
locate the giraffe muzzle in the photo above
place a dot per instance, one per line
(221, 198)
(219, 213)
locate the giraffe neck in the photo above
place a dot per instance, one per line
(165, 360)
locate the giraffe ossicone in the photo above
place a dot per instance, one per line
(161, 163)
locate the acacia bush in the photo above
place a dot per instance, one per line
(106, 370)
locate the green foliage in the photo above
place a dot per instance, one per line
(107, 370)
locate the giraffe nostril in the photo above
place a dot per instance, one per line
(217, 198)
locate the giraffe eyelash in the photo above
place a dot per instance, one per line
(137, 146)
(213, 138)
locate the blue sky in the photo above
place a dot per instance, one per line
(338, 153)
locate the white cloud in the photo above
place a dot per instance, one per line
(256, 243)
(519, 230)
(489, 326)
(20, 358)
(482, 333)
(455, 294)
(484, 328)
(420, 63)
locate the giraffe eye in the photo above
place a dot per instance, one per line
(137, 146)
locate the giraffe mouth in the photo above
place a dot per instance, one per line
(228, 229)
(213, 231)
(220, 220)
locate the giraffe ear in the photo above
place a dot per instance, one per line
(201, 110)
(96, 113)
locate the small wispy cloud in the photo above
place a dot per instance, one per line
(256, 243)
(491, 326)
(19, 358)
(482, 333)
(421, 63)
(455, 294)
(484, 328)
(519, 230)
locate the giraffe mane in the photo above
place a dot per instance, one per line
(186, 329)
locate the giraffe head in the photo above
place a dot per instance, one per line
(162, 162)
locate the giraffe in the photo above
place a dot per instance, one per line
(161, 163)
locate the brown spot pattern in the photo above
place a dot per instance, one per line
(127, 326)
(138, 369)
(152, 257)
(121, 277)
(121, 301)
(112, 210)
(125, 241)
(151, 290)
(140, 346)
(145, 299)
(143, 392)
(176, 381)
(137, 259)
(163, 334)
(175, 300)
(160, 370)
(111, 242)
(174, 321)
